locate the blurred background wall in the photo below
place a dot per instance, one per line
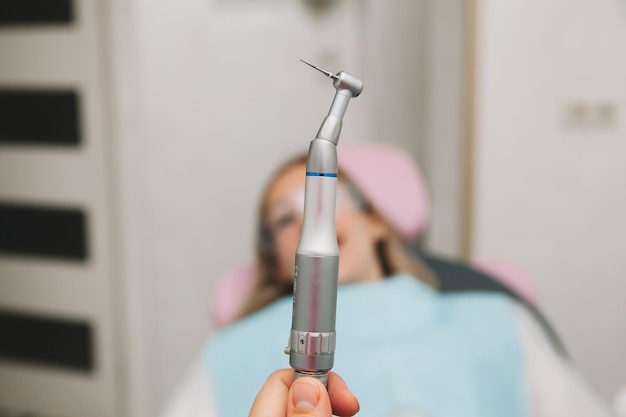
(551, 165)
(188, 106)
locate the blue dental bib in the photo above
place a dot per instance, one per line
(402, 348)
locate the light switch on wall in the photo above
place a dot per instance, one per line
(591, 110)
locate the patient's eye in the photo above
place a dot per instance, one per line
(283, 221)
(286, 213)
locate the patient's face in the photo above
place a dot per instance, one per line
(357, 231)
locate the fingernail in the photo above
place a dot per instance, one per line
(306, 395)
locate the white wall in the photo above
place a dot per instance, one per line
(224, 100)
(551, 185)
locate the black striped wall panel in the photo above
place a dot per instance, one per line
(41, 231)
(39, 117)
(45, 340)
(36, 12)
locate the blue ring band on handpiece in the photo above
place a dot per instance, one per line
(321, 174)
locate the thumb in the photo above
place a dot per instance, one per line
(308, 397)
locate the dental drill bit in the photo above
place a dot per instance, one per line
(327, 73)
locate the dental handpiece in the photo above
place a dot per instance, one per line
(311, 346)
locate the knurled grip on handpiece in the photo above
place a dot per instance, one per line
(306, 344)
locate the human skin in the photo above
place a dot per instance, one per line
(357, 232)
(281, 396)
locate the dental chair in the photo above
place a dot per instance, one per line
(392, 182)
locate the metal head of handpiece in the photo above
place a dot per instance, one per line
(347, 86)
(342, 80)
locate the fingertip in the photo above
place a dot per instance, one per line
(308, 397)
(305, 394)
(343, 401)
(282, 376)
(274, 391)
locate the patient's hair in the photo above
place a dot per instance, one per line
(393, 255)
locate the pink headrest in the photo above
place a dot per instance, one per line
(230, 292)
(391, 181)
(510, 274)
